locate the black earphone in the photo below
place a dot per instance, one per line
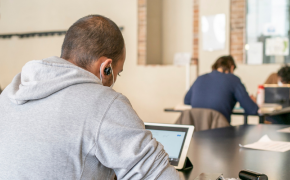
(108, 71)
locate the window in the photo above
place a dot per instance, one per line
(267, 31)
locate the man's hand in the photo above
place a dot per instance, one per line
(253, 98)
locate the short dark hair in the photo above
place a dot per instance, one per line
(224, 62)
(284, 73)
(90, 38)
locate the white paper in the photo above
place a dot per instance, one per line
(277, 46)
(269, 108)
(266, 144)
(285, 130)
(213, 32)
(255, 53)
(182, 59)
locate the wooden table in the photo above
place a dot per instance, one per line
(218, 151)
(261, 116)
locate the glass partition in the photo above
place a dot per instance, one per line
(267, 32)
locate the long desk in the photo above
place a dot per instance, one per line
(218, 151)
(235, 112)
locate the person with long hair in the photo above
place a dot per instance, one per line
(220, 90)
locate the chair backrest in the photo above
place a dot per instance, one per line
(202, 119)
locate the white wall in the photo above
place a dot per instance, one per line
(149, 88)
(206, 8)
(15, 52)
(177, 28)
(153, 88)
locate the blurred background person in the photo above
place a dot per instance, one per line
(220, 90)
(280, 78)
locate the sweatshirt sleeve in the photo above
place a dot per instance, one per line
(244, 99)
(124, 145)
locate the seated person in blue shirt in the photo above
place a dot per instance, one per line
(220, 90)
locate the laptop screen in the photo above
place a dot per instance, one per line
(278, 95)
(172, 138)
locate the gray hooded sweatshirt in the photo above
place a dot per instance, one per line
(57, 121)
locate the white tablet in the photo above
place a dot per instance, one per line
(175, 139)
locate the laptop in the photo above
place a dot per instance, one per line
(175, 139)
(278, 95)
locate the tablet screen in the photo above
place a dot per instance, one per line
(172, 138)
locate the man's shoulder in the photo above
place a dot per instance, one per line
(203, 76)
(93, 89)
(92, 94)
(103, 93)
(234, 77)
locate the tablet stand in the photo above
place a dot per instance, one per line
(187, 165)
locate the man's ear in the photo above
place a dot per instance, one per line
(96, 68)
(232, 69)
(105, 64)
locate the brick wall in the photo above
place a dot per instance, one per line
(195, 29)
(142, 35)
(237, 29)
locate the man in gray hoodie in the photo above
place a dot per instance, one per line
(61, 120)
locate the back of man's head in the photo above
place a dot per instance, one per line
(284, 74)
(90, 38)
(225, 63)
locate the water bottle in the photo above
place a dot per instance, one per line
(261, 95)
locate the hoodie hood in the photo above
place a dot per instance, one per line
(41, 78)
